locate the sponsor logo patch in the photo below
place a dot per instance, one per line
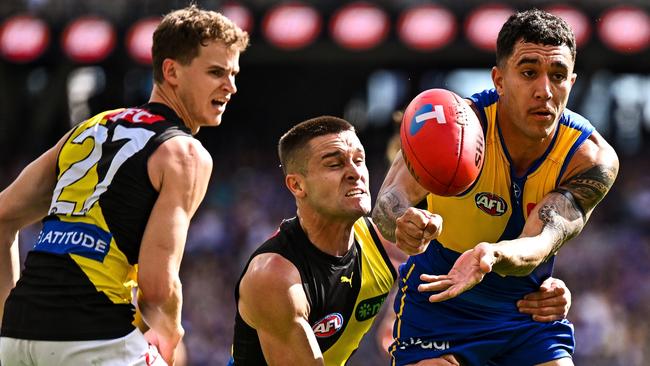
(491, 204)
(368, 308)
(136, 115)
(78, 238)
(424, 114)
(328, 326)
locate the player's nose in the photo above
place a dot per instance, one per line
(543, 88)
(355, 171)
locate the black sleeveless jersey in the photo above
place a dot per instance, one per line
(78, 278)
(344, 293)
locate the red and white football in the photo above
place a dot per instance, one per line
(442, 142)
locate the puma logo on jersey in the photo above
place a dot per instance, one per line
(345, 279)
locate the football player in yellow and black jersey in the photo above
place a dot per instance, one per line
(309, 294)
(117, 194)
(545, 170)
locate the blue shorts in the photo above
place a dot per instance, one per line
(478, 328)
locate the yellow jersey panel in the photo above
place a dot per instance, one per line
(496, 205)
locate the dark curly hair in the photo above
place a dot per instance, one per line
(181, 32)
(534, 26)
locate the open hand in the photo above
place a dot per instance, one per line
(469, 269)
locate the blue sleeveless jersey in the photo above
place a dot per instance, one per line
(494, 208)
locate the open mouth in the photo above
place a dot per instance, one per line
(218, 103)
(355, 193)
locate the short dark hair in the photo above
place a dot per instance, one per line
(181, 32)
(534, 26)
(297, 138)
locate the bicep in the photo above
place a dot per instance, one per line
(591, 174)
(183, 177)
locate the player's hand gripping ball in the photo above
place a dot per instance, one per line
(442, 142)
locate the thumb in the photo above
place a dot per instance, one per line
(433, 227)
(486, 261)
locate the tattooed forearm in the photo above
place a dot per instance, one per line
(561, 220)
(387, 209)
(590, 187)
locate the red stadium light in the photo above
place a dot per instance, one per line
(139, 40)
(292, 26)
(23, 38)
(88, 39)
(625, 29)
(577, 20)
(484, 23)
(238, 14)
(359, 26)
(426, 27)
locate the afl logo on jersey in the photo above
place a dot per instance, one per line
(491, 204)
(328, 326)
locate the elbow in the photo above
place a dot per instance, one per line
(157, 292)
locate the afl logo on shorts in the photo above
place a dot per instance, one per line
(491, 204)
(328, 326)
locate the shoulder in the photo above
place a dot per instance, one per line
(595, 151)
(180, 156)
(184, 147)
(272, 269)
(271, 289)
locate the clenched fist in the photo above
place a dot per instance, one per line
(415, 229)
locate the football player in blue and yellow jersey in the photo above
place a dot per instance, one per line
(545, 170)
(116, 195)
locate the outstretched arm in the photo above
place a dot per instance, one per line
(410, 228)
(273, 302)
(560, 216)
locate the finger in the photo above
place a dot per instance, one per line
(445, 295)
(546, 294)
(546, 318)
(412, 249)
(551, 302)
(549, 310)
(415, 217)
(435, 286)
(403, 238)
(412, 231)
(435, 283)
(433, 227)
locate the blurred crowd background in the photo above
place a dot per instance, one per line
(62, 61)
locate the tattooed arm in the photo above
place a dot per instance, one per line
(410, 228)
(560, 216)
(563, 213)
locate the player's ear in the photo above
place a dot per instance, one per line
(170, 71)
(296, 185)
(497, 79)
(573, 78)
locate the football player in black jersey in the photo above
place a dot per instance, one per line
(117, 194)
(309, 294)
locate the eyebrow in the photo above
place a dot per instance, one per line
(339, 153)
(535, 61)
(223, 69)
(331, 154)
